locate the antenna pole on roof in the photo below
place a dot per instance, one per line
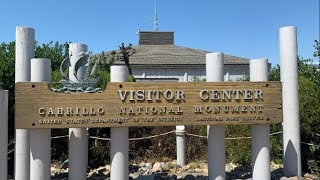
(155, 18)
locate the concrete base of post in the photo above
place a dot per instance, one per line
(216, 153)
(40, 154)
(119, 153)
(78, 153)
(3, 134)
(261, 152)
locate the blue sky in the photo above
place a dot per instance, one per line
(246, 28)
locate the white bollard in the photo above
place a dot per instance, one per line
(3, 134)
(185, 77)
(24, 53)
(119, 136)
(291, 121)
(40, 139)
(181, 145)
(181, 138)
(78, 138)
(260, 133)
(216, 134)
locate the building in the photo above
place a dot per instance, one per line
(157, 58)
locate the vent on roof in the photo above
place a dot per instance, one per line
(156, 38)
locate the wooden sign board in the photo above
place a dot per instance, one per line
(150, 104)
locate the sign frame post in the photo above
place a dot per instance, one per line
(25, 38)
(216, 134)
(4, 134)
(260, 133)
(40, 139)
(119, 136)
(290, 95)
(78, 137)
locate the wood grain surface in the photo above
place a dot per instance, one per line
(38, 107)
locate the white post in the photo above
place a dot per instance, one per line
(260, 133)
(185, 77)
(119, 136)
(78, 138)
(216, 134)
(181, 139)
(24, 53)
(227, 77)
(291, 121)
(40, 139)
(3, 134)
(181, 145)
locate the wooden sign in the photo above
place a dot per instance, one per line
(150, 104)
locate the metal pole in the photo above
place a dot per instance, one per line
(291, 120)
(119, 136)
(216, 134)
(78, 138)
(260, 133)
(24, 53)
(40, 139)
(3, 134)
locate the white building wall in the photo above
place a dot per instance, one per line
(232, 72)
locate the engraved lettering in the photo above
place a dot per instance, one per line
(122, 110)
(84, 111)
(149, 93)
(215, 95)
(168, 95)
(179, 109)
(131, 95)
(157, 94)
(258, 94)
(252, 109)
(131, 110)
(153, 110)
(100, 110)
(180, 95)
(50, 112)
(204, 95)
(140, 95)
(235, 109)
(92, 112)
(244, 109)
(208, 109)
(59, 111)
(69, 111)
(163, 109)
(198, 109)
(42, 111)
(247, 94)
(226, 95)
(122, 94)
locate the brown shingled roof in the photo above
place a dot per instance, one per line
(171, 54)
(157, 48)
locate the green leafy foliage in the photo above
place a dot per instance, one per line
(54, 51)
